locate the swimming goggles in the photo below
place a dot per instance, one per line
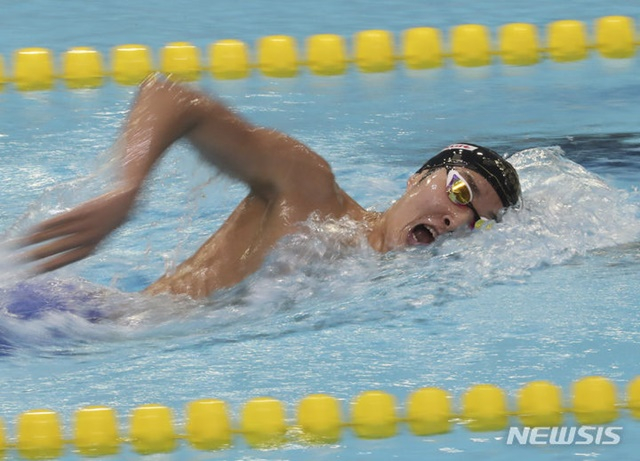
(460, 193)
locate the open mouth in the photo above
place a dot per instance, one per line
(421, 235)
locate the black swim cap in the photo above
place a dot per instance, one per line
(501, 174)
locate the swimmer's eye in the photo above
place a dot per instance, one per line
(460, 193)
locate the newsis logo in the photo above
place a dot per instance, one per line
(565, 435)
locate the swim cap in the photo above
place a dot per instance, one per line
(501, 174)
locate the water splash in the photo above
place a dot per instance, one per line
(328, 276)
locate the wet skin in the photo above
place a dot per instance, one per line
(288, 182)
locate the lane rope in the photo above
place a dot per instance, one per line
(263, 423)
(467, 45)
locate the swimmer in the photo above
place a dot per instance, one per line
(461, 187)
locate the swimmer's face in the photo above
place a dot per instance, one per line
(426, 210)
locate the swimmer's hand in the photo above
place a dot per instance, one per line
(75, 234)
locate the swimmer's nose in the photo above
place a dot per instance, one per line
(447, 221)
(453, 221)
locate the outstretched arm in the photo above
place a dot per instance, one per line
(266, 160)
(269, 162)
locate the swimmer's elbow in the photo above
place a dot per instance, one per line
(172, 100)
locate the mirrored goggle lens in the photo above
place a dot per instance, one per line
(458, 189)
(483, 223)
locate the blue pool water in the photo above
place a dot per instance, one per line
(550, 293)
